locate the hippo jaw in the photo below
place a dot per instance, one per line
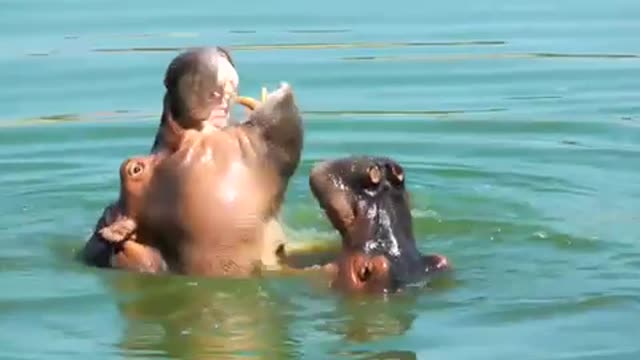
(224, 95)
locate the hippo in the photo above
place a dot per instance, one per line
(365, 199)
(206, 200)
(117, 227)
(205, 205)
(201, 86)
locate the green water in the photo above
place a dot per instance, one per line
(518, 123)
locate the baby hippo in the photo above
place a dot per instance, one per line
(366, 201)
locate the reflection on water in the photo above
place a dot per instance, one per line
(371, 320)
(193, 318)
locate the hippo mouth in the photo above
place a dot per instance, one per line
(379, 273)
(225, 92)
(220, 114)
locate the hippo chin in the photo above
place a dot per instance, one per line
(366, 201)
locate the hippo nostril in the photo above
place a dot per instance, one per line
(398, 174)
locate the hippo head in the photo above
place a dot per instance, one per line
(366, 201)
(135, 176)
(200, 84)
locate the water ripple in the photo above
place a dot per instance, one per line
(516, 122)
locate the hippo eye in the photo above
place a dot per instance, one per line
(136, 169)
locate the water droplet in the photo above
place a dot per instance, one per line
(541, 234)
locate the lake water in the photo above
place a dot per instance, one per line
(518, 123)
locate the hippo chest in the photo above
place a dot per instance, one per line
(201, 210)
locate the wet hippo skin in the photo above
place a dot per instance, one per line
(209, 204)
(365, 199)
(127, 251)
(206, 200)
(200, 86)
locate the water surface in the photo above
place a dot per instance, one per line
(518, 123)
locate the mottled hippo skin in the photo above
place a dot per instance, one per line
(206, 200)
(366, 201)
